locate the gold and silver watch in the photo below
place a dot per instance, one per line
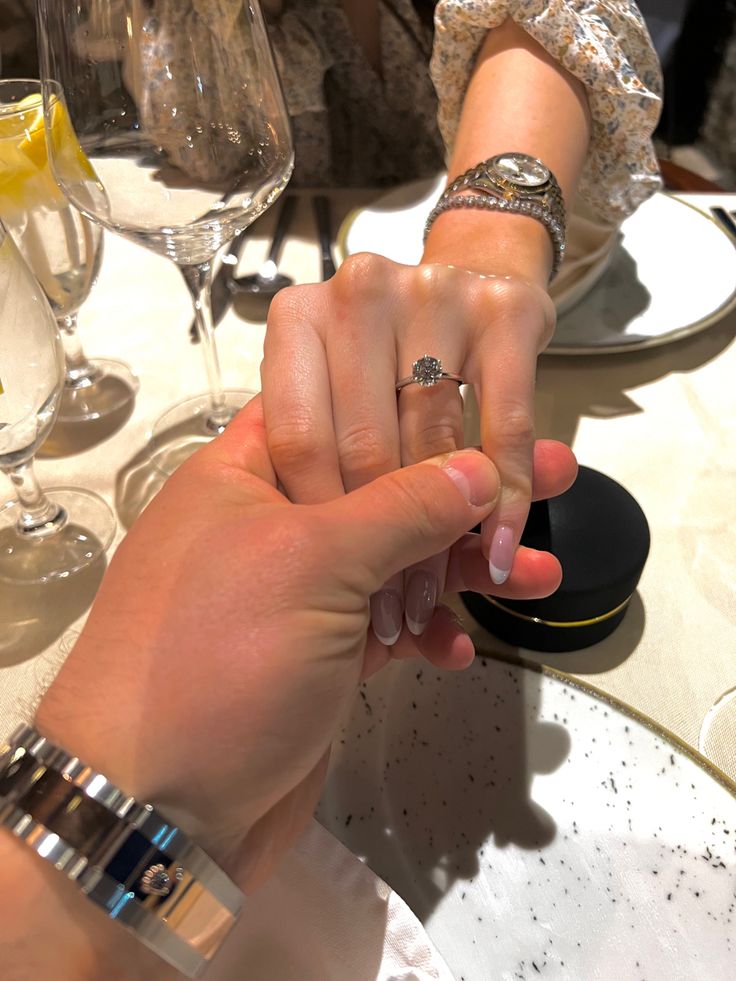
(514, 182)
(129, 860)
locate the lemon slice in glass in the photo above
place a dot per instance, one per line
(25, 179)
(70, 159)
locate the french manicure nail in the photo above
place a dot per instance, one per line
(501, 559)
(421, 599)
(386, 616)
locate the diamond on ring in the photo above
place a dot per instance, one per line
(427, 371)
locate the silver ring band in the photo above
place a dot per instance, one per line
(427, 371)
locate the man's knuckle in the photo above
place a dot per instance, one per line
(415, 506)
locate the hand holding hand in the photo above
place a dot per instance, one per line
(231, 631)
(333, 354)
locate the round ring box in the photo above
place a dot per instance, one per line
(601, 537)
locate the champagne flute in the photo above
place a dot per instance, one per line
(62, 247)
(50, 535)
(178, 112)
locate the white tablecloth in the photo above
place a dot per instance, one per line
(661, 422)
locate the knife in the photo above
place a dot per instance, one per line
(221, 295)
(321, 207)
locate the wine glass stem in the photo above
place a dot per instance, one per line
(77, 368)
(38, 515)
(198, 278)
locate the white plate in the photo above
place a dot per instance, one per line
(673, 272)
(537, 829)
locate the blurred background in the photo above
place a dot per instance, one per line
(695, 40)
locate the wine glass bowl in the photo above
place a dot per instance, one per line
(185, 136)
(62, 247)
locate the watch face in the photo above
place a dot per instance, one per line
(520, 169)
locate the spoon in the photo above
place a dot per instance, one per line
(268, 280)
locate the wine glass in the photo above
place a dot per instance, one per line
(50, 535)
(185, 135)
(62, 247)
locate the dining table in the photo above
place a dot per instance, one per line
(660, 421)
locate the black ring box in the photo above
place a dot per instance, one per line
(601, 537)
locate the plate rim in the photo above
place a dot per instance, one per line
(574, 350)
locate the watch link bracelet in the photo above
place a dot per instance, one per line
(129, 860)
(513, 182)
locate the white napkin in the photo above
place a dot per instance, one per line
(326, 917)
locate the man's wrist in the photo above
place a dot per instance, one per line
(73, 716)
(49, 929)
(131, 861)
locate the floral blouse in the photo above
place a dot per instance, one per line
(353, 126)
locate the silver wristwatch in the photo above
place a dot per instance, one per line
(514, 182)
(138, 868)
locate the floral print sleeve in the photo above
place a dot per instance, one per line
(606, 45)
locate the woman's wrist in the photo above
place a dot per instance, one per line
(491, 243)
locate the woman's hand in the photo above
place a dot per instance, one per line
(231, 631)
(333, 354)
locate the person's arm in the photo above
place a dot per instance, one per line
(519, 99)
(224, 646)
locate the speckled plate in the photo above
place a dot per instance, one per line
(672, 273)
(537, 829)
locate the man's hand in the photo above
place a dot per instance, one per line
(231, 631)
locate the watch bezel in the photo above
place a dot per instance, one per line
(508, 183)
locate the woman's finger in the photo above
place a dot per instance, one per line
(365, 316)
(430, 407)
(505, 373)
(554, 469)
(297, 397)
(533, 575)
(366, 301)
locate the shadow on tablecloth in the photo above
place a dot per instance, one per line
(33, 617)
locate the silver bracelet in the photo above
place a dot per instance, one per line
(138, 868)
(514, 182)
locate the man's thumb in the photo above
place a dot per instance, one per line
(408, 515)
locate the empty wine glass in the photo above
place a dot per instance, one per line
(50, 535)
(62, 247)
(177, 110)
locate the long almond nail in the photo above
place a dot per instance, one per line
(420, 600)
(387, 616)
(503, 548)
